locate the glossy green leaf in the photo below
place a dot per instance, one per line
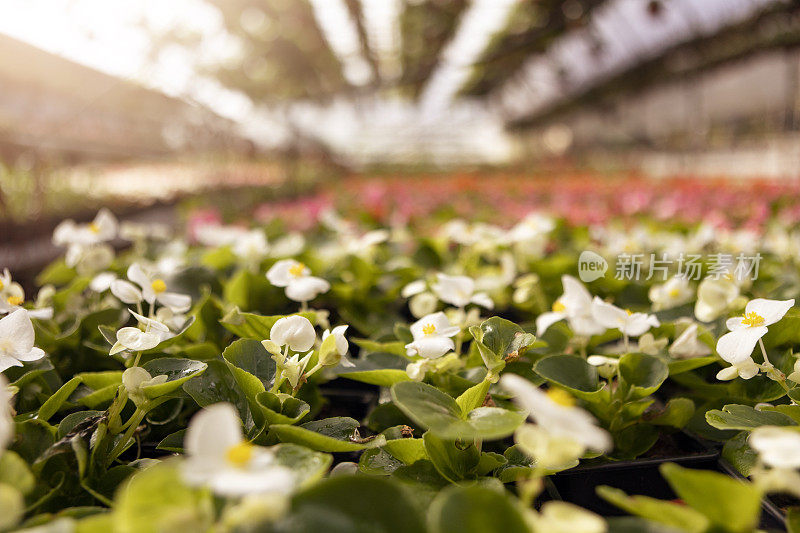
(178, 372)
(668, 513)
(745, 417)
(475, 510)
(641, 374)
(728, 503)
(572, 373)
(338, 434)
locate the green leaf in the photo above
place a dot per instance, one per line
(784, 332)
(677, 413)
(256, 327)
(393, 347)
(178, 372)
(793, 520)
(408, 451)
(52, 405)
(738, 453)
(14, 471)
(173, 442)
(253, 369)
(641, 374)
(215, 385)
(379, 368)
(497, 339)
(12, 506)
(453, 462)
(306, 465)
(668, 513)
(473, 397)
(154, 498)
(475, 509)
(740, 417)
(378, 462)
(571, 372)
(436, 411)
(282, 408)
(349, 504)
(731, 504)
(338, 434)
(685, 365)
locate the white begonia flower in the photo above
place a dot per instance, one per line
(154, 289)
(649, 345)
(12, 294)
(103, 228)
(216, 235)
(16, 340)
(359, 245)
(736, 346)
(294, 331)
(293, 367)
(795, 375)
(217, 456)
(613, 317)
(251, 246)
(137, 340)
(776, 447)
(135, 378)
(534, 226)
(715, 297)
(341, 344)
(288, 245)
(676, 291)
(415, 287)
(432, 336)
(563, 517)
(6, 415)
(460, 291)
(687, 345)
(423, 304)
(556, 415)
(174, 321)
(297, 280)
(416, 371)
(575, 305)
(126, 292)
(102, 282)
(138, 231)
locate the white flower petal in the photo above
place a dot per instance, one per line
(126, 291)
(306, 288)
(296, 331)
(212, 432)
(770, 310)
(737, 346)
(430, 347)
(545, 320)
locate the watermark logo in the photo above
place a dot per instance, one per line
(591, 266)
(641, 266)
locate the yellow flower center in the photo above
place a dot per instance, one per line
(240, 454)
(1, 285)
(158, 286)
(674, 293)
(559, 307)
(297, 269)
(629, 312)
(15, 300)
(561, 397)
(94, 227)
(428, 329)
(752, 319)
